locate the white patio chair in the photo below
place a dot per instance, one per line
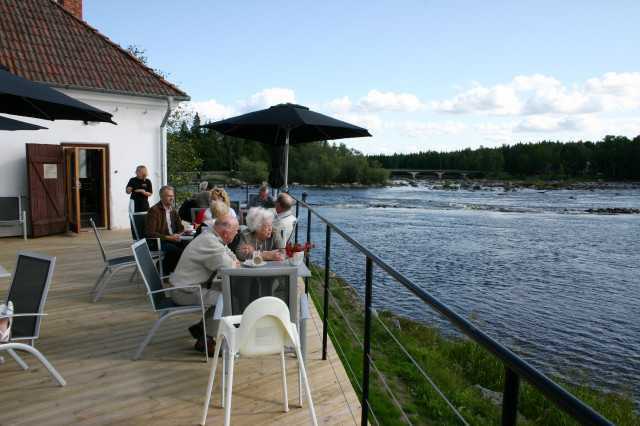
(265, 328)
(28, 293)
(163, 305)
(242, 286)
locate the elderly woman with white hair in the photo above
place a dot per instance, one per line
(259, 236)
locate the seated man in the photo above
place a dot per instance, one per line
(284, 217)
(199, 264)
(263, 199)
(164, 222)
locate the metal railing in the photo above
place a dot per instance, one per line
(515, 367)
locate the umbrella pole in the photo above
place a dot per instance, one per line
(286, 162)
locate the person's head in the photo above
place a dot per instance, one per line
(141, 172)
(218, 208)
(203, 185)
(211, 185)
(219, 194)
(263, 191)
(227, 228)
(166, 195)
(260, 222)
(283, 202)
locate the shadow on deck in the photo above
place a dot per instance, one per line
(92, 346)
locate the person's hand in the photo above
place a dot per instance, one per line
(247, 249)
(273, 255)
(129, 189)
(237, 262)
(174, 238)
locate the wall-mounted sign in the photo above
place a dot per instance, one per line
(50, 171)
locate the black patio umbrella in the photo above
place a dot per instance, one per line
(11, 124)
(287, 124)
(21, 96)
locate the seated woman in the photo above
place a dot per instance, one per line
(216, 209)
(218, 194)
(259, 236)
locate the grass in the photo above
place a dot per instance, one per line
(455, 364)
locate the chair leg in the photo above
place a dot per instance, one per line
(312, 411)
(212, 375)
(284, 383)
(227, 409)
(33, 351)
(104, 271)
(108, 280)
(17, 359)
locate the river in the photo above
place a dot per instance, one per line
(534, 269)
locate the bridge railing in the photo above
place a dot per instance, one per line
(515, 367)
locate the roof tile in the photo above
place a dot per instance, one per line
(42, 41)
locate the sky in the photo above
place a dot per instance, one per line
(420, 75)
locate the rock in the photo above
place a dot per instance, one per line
(495, 397)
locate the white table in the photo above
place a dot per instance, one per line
(4, 273)
(303, 271)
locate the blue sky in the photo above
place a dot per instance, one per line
(420, 75)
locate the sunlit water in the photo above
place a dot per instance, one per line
(554, 283)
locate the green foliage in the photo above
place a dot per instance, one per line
(252, 171)
(183, 163)
(454, 364)
(615, 157)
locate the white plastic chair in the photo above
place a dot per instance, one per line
(265, 329)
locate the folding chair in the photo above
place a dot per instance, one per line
(265, 328)
(28, 292)
(160, 302)
(139, 221)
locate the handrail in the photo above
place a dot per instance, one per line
(515, 367)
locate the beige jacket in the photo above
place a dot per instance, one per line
(201, 260)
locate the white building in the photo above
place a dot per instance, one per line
(74, 170)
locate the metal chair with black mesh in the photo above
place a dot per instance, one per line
(28, 293)
(161, 303)
(139, 221)
(113, 264)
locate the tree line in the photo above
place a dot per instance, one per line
(614, 157)
(193, 150)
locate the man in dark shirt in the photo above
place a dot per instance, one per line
(263, 199)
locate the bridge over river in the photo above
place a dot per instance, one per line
(437, 172)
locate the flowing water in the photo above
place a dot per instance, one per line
(534, 269)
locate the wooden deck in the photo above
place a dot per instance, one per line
(92, 345)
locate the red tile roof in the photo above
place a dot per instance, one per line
(42, 41)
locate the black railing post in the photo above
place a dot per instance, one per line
(297, 217)
(307, 260)
(510, 397)
(325, 321)
(368, 297)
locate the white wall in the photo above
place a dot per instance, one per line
(136, 140)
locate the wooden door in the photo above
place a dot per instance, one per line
(45, 175)
(72, 189)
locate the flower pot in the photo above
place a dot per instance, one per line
(296, 259)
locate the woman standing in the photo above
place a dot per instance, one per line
(140, 189)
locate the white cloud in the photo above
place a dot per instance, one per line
(341, 105)
(546, 124)
(498, 100)
(497, 132)
(424, 130)
(554, 100)
(372, 123)
(536, 81)
(267, 98)
(615, 91)
(376, 101)
(211, 110)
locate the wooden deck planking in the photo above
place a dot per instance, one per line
(92, 344)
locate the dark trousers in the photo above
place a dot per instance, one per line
(172, 252)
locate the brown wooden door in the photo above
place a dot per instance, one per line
(46, 189)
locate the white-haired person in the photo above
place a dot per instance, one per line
(259, 236)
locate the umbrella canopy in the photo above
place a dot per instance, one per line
(21, 96)
(286, 124)
(11, 124)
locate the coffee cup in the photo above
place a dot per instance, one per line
(188, 228)
(257, 259)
